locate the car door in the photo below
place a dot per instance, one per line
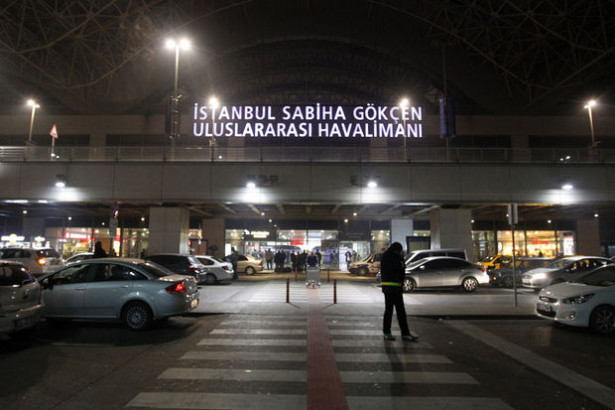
(453, 270)
(111, 283)
(64, 291)
(428, 274)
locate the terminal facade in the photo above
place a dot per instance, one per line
(340, 194)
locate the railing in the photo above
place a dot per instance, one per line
(305, 154)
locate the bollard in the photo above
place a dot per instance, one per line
(328, 275)
(334, 291)
(295, 276)
(287, 290)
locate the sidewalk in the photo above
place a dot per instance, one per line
(347, 295)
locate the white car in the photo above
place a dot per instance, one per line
(20, 300)
(79, 257)
(37, 261)
(217, 270)
(588, 301)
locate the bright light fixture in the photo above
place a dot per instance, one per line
(372, 184)
(567, 186)
(251, 185)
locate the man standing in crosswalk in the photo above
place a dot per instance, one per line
(392, 271)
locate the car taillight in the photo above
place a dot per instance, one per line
(176, 288)
(260, 263)
(41, 261)
(194, 267)
(481, 268)
(225, 267)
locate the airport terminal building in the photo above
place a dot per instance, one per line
(422, 127)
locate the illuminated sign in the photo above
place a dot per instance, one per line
(12, 238)
(326, 121)
(256, 234)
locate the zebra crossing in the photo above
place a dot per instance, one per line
(261, 362)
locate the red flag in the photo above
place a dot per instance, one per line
(54, 131)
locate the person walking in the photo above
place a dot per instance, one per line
(269, 258)
(234, 257)
(392, 270)
(99, 252)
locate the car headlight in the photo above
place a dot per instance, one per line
(539, 276)
(577, 300)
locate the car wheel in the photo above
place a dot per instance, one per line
(602, 320)
(363, 271)
(137, 316)
(210, 279)
(507, 282)
(250, 270)
(469, 284)
(409, 285)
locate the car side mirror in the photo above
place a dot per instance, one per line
(47, 284)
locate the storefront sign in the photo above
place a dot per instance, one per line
(12, 238)
(301, 121)
(256, 234)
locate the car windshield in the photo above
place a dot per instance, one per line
(154, 269)
(216, 259)
(365, 259)
(47, 253)
(601, 277)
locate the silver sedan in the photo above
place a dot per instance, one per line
(134, 291)
(444, 271)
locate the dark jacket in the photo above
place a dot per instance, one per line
(392, 268)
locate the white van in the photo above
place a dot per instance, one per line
(425, 253)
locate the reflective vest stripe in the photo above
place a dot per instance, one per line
(391, 284)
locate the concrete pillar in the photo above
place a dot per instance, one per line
(452, 228)
(168, 230)
(400, 229)
(213, 233)
(588, 237)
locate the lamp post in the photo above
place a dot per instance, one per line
(588, 107)
(34, 106)
(404, 103)
(176, 45)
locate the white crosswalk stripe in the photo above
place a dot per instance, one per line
(245, 349)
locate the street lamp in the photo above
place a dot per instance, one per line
(176, 45)
(404, 103)
(34, 106)
(588, 107)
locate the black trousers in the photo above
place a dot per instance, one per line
(394, 297)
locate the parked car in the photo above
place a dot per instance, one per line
(134, 291)
(370, 265)
(504, 275)
(426, 253)
(588, 301)
(562, 270)
(444, 271)
(494, 262)
(79, 257)
(181, 264)
(37, 261)
(217, 270)
(248, 264)
(20, 300)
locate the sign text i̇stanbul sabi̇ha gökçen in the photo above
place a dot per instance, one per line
(331, 121)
